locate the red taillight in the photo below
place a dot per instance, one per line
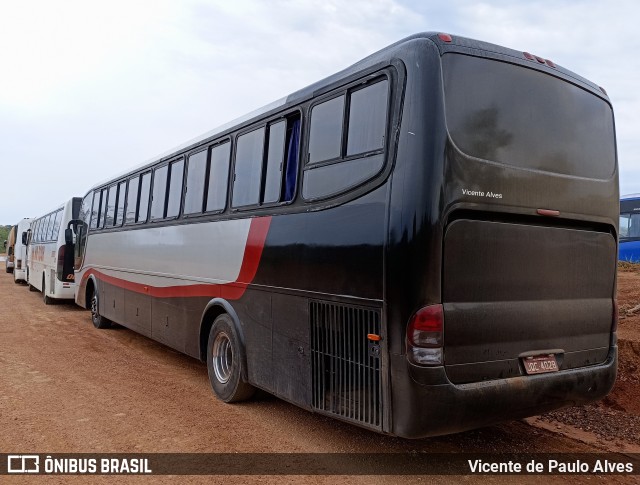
(528, 56)
(60, 267)
(548, 212)
(425, 336)
(551, 63)
(445, 37)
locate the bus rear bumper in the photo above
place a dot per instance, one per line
(426, 403)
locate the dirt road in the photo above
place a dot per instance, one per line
(67, 387)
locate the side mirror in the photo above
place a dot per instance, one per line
(68, 235)
(5, 243)
(24, 237)
(74, 223)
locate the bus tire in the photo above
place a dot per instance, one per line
(46, 298)
(98, 320)
(224, 362)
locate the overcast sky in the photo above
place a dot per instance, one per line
(89, 89)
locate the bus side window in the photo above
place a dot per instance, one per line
(274, 162)
(196, 178)
(358, 159)
(174, 196)
(111, 206)
(281, 165)
(47, 227)
(145, 188)
(119, 217)
(132, 199)
(55, 227)
(291, 160)
(159, 197)
(326, 130)
(248, 168)
(95, 209)
(103, 208)
(218, 177)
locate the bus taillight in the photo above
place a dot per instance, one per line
(424, 336)
(60, 266)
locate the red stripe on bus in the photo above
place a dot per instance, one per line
(232, 291)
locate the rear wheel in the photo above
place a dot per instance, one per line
(224, 362)
(46, 298)
(98, 320)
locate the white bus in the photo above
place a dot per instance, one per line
(20, 251)
(9, 247)
(50, 253)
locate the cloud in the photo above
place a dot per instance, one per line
(89, 90)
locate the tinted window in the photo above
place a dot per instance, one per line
(103, 208)
(41, 228)
(145, 186)
(175, 188)
(522, 117)
(120, 207)
(248, 168)
(159, 192)
(85, 209)
(132, 198)
(325, 138)
(275, 155)
(111, 205)
(36, 231)
(46, 228)
(95, 210)
(218, 177)
(367, 118)
(629, 226)
(196, 175)
(55, 227)
(328, 180)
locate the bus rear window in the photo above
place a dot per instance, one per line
(525, 118)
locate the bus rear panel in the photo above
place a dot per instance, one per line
(518, 245)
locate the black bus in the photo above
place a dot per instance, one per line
(420, 244)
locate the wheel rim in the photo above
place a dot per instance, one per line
(222, 357)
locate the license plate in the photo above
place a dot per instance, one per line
(539, 364)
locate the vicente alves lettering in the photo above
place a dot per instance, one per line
(481, 193)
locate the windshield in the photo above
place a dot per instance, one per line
(526, 118)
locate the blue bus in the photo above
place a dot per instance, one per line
(630, 228)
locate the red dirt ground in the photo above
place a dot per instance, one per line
(67, 387)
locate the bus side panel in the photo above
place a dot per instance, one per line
(334, 254)
(336, 251)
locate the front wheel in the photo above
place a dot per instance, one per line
(98, 320)
(224, 362)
